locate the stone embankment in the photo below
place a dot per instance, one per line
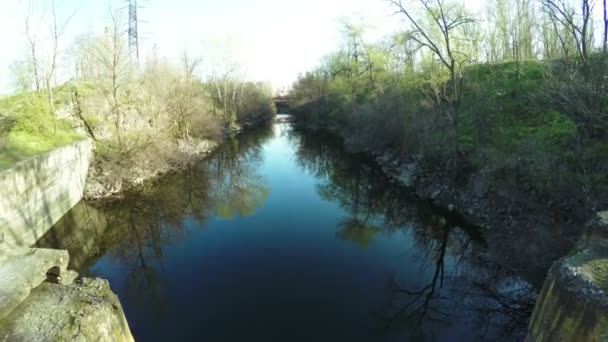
(103, 182)
(523, 234)
(37, 192)
(40, 299)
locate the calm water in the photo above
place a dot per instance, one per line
(282, 236)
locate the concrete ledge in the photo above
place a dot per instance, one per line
(85, 311)
(37, 192)
(23, 269)
(573, 303)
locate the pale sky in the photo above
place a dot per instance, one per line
(274, 39)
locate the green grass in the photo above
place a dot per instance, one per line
(23, 145)
(28, 129)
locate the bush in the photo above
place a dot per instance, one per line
(256, 102)
(27, 128)
(538, 124)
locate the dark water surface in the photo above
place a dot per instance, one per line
(282, 236)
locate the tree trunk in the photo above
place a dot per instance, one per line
(119, 123)
(78, 113)
(455, 110)
(605, 28)
(35, 67)
(50, 99)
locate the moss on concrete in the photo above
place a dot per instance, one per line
(573, 304)
(23, 145)
(87, 311)
(598, 272)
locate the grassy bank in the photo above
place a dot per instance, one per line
(539, 127)
(158, 119)
(27, 129)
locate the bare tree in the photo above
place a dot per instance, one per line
(449, 19)
(190, 65)
(225, 78)
(113, 56)
(562, 14)
(31, 39)
(360, 55)
(57, 30)
(605, 48)
(186, 103)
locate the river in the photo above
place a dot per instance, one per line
(283, 236)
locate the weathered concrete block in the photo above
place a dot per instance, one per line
(37, 192)
(80, 232)
(84, 311)
(21, 270)
(573, 304)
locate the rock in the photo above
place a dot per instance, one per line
(603, 218)
(87, 311)
(195, 147)
(22, 269)
(53, 275)
(573, 304)
(56, 276)
(406, 176)
(479, 185)
(386, 157)
(69, 277)
(451, 207)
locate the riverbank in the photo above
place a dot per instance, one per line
(523, 233)
(345, 239)
(108, 179)
(34, 280)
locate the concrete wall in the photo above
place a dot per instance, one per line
(573, 303)
(80, 232)
(37, 192)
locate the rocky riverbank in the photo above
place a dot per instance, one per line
(523, 233)
(109, 179)
(104, 182)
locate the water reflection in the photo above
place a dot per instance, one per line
(449, 287)
(457, 277)
(134, 230)
(239, 189)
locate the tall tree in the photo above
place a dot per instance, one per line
(576, 25)
(549, 40)
(451, 21)
(31, 39)
(112, 54)
(225, 78)
(57, 30)
(605, 48)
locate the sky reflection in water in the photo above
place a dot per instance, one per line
(281, 235)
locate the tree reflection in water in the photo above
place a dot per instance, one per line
(457, 276)
(238, 188)
(461, 277)
(139, 226)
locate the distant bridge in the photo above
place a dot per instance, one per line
(282, 103)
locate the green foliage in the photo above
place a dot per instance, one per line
(256, 101)
(541, 123)
(28, 128)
